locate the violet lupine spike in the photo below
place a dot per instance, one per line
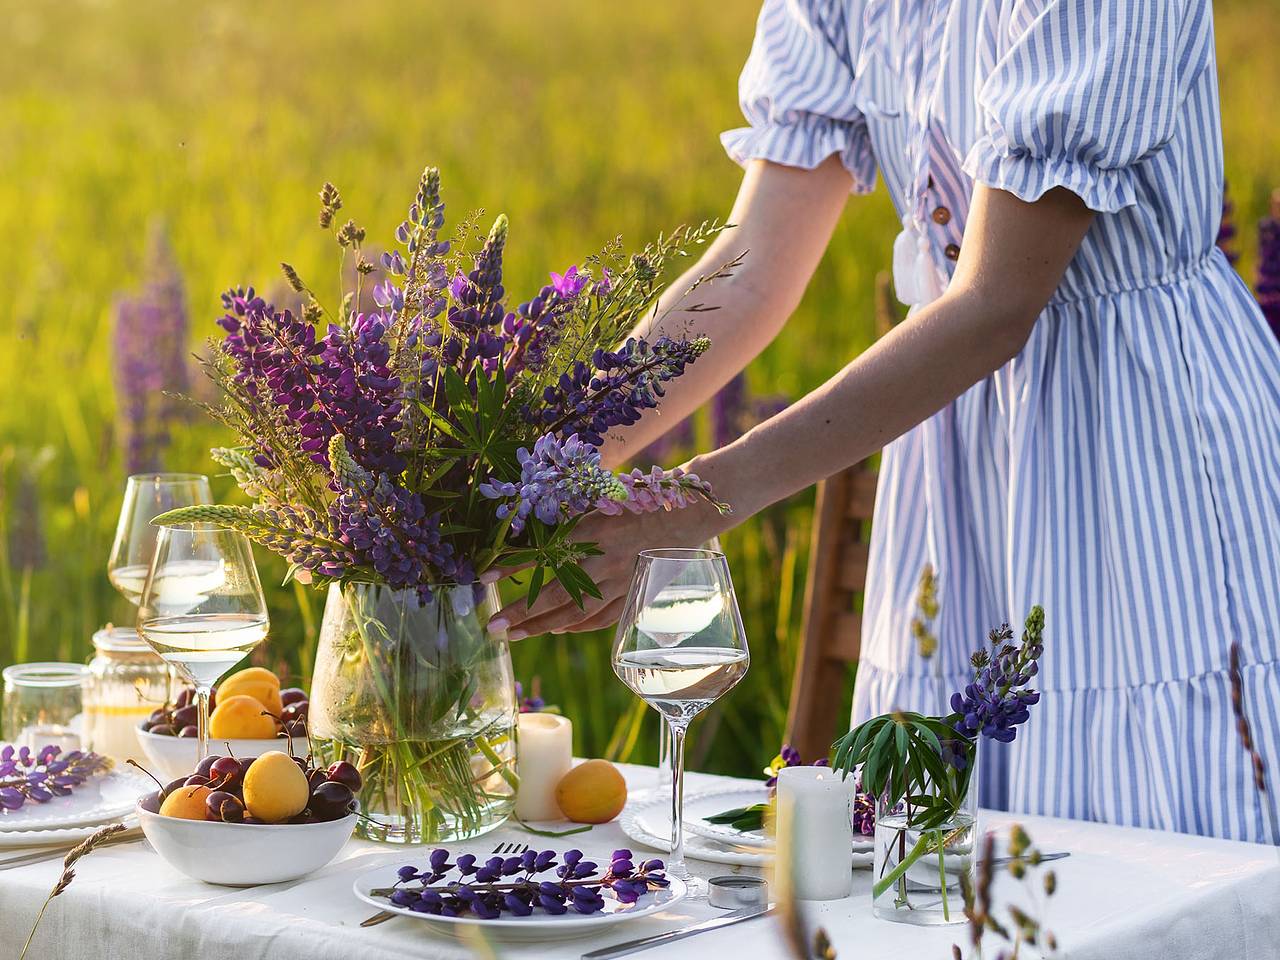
(615, 387)
(728, 411)
(997, 700)
(388, 530)
(1267, 285)
(534, 327)
(559, 480)
(358, 395)
(660, 490)
(149, 350)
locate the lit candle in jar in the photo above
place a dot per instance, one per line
(815, 833)
(544, 754)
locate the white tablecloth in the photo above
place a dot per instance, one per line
(1123, 893)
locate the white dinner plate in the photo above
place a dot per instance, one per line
(111, 796)
(537, 926)
(56, 837)
(700, 806)
(649, 823)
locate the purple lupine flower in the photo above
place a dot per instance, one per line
(570, 283)
(657, 490)
(150, 352)
(864, 812)
(615, 387)
(1226, 240)
(728, 411)
(358, 396)
(559, 479)
(997, 700)
(1268, 281)
(389, 530)
(532, 703)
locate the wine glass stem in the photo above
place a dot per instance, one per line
(202, 723)
(676, 867)
(664, 752)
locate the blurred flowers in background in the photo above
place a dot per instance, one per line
(149, 354)
(1267, 284)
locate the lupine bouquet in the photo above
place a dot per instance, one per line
(921, 767)
(444, 433)
(401, 450)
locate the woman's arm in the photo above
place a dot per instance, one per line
(1013, 257)
(783, 217)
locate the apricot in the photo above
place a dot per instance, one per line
(592, 792)
(186, 803)
(256, 682)
(241, 718)
(275, 788)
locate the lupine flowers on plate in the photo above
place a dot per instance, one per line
(38, 776)
(541, 881)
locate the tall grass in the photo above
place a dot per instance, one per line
(580, 119)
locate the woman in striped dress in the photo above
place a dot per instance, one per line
(1082, 410)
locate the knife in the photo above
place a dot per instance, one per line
(644, 943)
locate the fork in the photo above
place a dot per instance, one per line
(501, 850)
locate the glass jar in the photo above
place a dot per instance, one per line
(926, 850)
(44, 704)
(129, 681)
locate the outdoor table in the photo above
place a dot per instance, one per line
(1123, 893)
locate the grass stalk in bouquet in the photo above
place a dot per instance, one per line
(400, 453)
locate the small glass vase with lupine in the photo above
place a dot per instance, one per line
(921, 770)
(395, 455)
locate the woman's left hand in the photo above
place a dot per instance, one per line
(621, 538)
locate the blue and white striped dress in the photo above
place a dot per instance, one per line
(1124, 469)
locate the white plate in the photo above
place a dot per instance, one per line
(700, 806)
(537, 926)
(12, 839)
(108, 797)
(649, 823)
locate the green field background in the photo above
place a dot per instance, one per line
(580, 119)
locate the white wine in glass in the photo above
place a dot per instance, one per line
(146, 496)
(202, 607)
(680, 646)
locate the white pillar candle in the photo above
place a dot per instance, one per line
(544, 754)
(815, 833)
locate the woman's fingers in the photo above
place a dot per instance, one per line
(607, 616)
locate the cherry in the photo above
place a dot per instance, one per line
(173, 785)
(185, 717)
(158, 716)
(187, 695)
(225, 806)
(345, 772)
(189, 732)
(163, 730)
(206, 764)
(315, 778)
(331, 801)
(225, 772)
(292, 695)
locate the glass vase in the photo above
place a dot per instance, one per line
(925, 853)
(421, 698)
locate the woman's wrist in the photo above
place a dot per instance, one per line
(731, 482)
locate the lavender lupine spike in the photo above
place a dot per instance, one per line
(535, 325)
(37, 776)
(359, 395)
(615, 387)
(150, 358)
(660, 490)
(347, 474)
(559, 480)
(246, 471)
(1268, 279)
(997, 700)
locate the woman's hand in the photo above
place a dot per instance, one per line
(621, 538)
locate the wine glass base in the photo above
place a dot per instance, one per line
(696, 887)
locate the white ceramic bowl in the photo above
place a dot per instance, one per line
(245, 854)
(173, 757)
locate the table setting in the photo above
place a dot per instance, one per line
(174, 794)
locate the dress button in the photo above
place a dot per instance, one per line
(952, 252)
(941, 216)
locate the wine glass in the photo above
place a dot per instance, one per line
(680, 646)
(146, 496)
(202, 607)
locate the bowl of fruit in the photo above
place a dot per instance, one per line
(242, 821)
(248, 715)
